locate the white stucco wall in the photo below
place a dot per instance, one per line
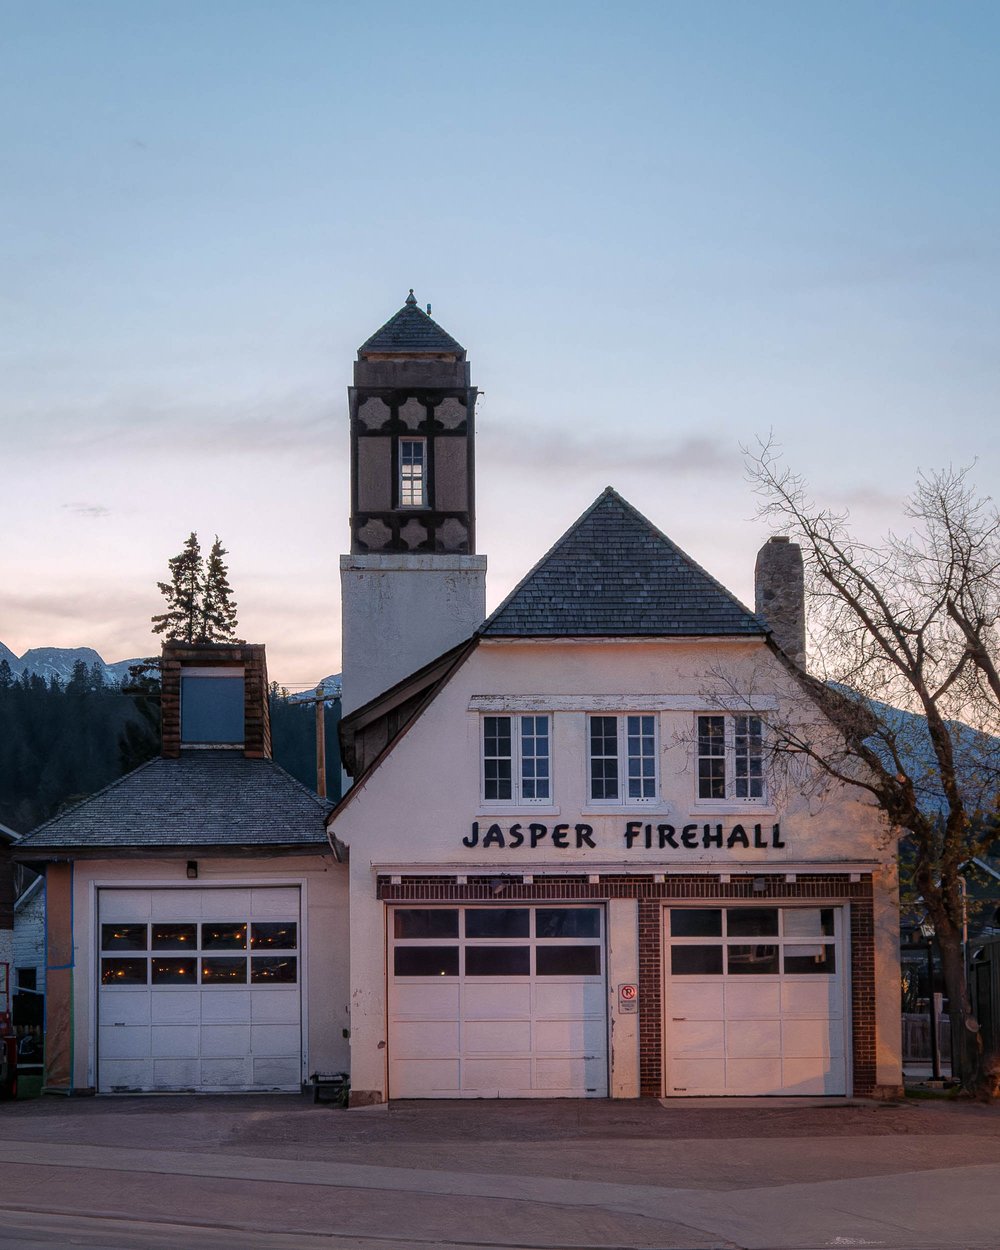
(422, 801)
(623, 969)
(402, 611)
(324, 931)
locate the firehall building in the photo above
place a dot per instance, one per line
(571, 874)
(563, 867)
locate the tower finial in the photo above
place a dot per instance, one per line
(411, 299)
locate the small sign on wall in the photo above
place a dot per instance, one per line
(628, 999)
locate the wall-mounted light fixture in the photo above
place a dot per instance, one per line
(192, 870)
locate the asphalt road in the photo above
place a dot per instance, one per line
(277, 1173)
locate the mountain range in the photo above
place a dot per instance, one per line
(49, 662)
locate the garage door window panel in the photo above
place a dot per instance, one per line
(425, 961)
(810, 960)
(808, 922)
(223, 971)
(498, 961)
(497, 922)
(274, 969)
(273, 935)
(175, 937)
(124, 937)
(175, 971)
(223, 937)
(696, 922)
(752, 960)
(568, 961)
(425, 922)
(689, 961)
(567, 922)
(746, 922)
(124, 971)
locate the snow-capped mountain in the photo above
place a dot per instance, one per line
(49, 662)
(331, 690)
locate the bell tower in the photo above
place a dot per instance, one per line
(413, 585)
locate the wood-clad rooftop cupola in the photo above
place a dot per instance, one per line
(412, 440)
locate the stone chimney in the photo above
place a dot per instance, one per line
(214, 695)
(779, 591)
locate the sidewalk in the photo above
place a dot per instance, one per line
(557, 1175)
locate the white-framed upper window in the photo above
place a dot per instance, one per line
(412, 472)
(731, 758)
(622, 758)
(517, 759)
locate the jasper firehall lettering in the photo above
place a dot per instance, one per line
(693, 836)
(650, 837)
(560, 836)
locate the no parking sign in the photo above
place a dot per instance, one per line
(628, 998)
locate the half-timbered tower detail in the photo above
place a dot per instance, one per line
(412, 585)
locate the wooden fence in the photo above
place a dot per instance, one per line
(917, 1038)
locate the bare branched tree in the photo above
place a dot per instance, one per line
(906, 639)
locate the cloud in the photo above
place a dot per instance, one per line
(872, 497)
(292, 427)
(93, 510)
(545, 451)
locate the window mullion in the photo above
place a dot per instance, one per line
(515, 759)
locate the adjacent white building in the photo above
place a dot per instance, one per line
(196, 915)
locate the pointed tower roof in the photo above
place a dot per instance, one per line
(411, 332)
(614, 574)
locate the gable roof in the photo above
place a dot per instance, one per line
(202, 798)
(411, 331)
(613, 574)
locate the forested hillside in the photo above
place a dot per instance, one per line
(60, 742)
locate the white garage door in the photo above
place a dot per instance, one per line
(754, 1001)
(497, 1002)
(199, 990)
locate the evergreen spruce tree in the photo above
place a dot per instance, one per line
(183, 593)
(218, 612)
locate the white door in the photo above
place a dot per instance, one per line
(754, 1001)
(199, 989)
(497, 1002)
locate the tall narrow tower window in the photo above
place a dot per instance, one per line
(412, 472)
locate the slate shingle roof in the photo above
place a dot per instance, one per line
(614, 574)
(411, 330)
(204, 798)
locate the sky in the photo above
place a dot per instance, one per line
(662, 230)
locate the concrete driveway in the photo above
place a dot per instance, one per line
(276, 1173)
